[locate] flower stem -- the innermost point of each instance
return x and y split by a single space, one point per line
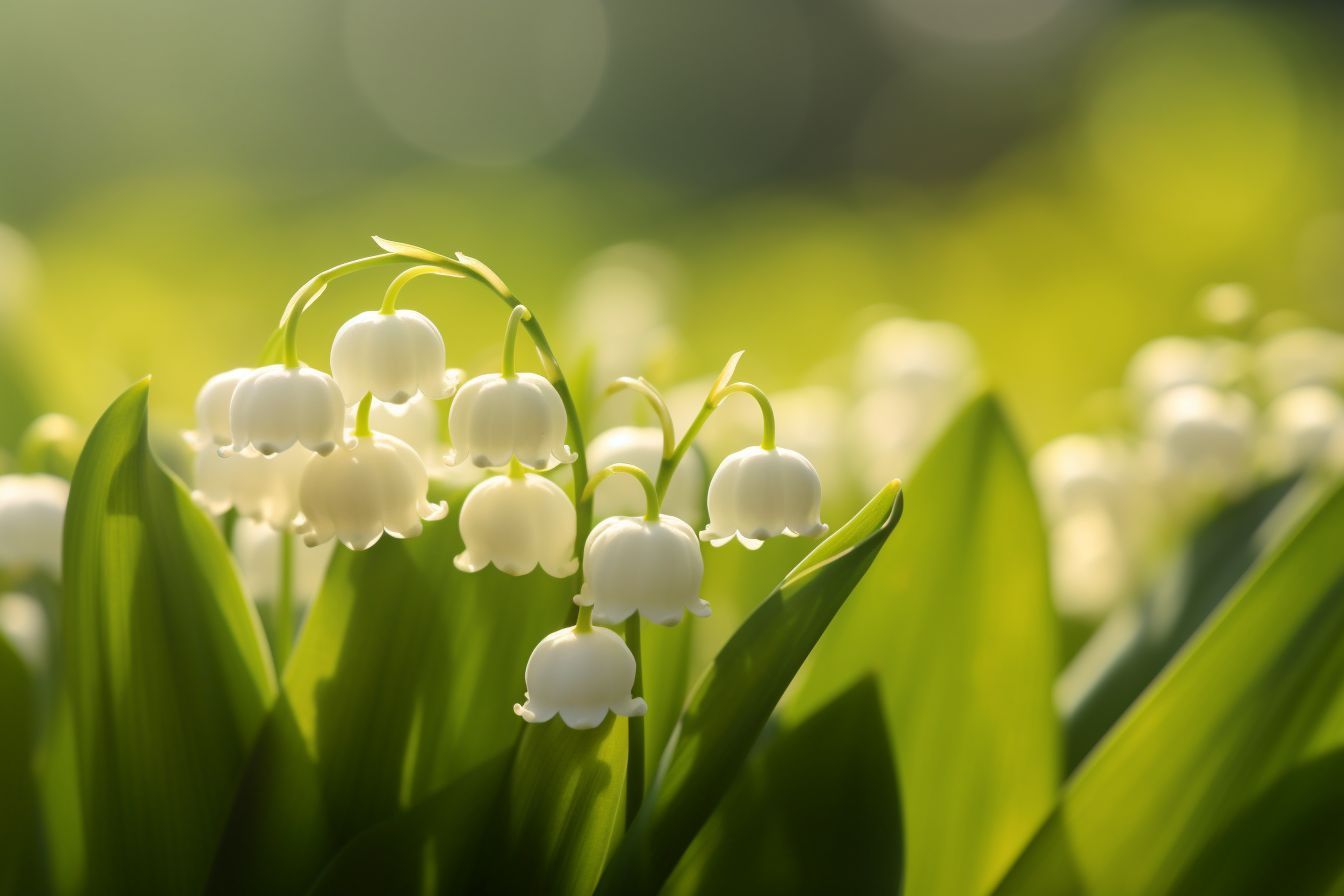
362 428
389 305
652 501
516 468
584 623
645 388
309 292
767 412
634 764
519 313
284 603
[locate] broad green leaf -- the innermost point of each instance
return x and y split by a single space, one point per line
734 700
1248 699
957 624
404 677
20 826
1218 556
1287 840
167 677
434 847
816 810
538 819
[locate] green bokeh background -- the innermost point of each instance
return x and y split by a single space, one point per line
1063 193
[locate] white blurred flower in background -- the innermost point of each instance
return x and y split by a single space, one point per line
32 514
1305 356
1199 444
1304 430
23 621
1174 361
260 488
913 376
256 548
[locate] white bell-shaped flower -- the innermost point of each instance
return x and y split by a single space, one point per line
275 406
518 523
355 495
581 675
643 447
212 408
256 548
32 514
23 621
265 489
758 493
495 418
932 362
636 565
394 355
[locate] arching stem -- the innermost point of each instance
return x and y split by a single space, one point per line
767 412
645 388
362 428
651 500
518 314
394 288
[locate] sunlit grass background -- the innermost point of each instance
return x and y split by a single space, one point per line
1061 178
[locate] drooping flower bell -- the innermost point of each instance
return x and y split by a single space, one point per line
32 514
395 355
650 567
355 495
275 406
761 492
265 489
580 674
501 416
212 408
518 522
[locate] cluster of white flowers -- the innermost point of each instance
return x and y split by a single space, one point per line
279 445
1211 416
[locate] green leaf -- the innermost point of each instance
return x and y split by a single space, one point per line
404 677
956 623
537 819
20 841
1255 693
1287 840
1218 556
732 703
816 810
167 675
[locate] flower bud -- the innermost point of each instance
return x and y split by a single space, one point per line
581 675
395 356
273 407
265 489
212 408
650 567
757 494
32 514
378 485
518 523
256 548
643 448
495 418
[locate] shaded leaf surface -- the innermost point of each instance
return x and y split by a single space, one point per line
815 810
957 624
167 676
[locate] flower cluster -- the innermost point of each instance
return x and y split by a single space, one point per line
349 457
1201 420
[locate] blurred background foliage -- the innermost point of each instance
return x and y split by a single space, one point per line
1059 177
